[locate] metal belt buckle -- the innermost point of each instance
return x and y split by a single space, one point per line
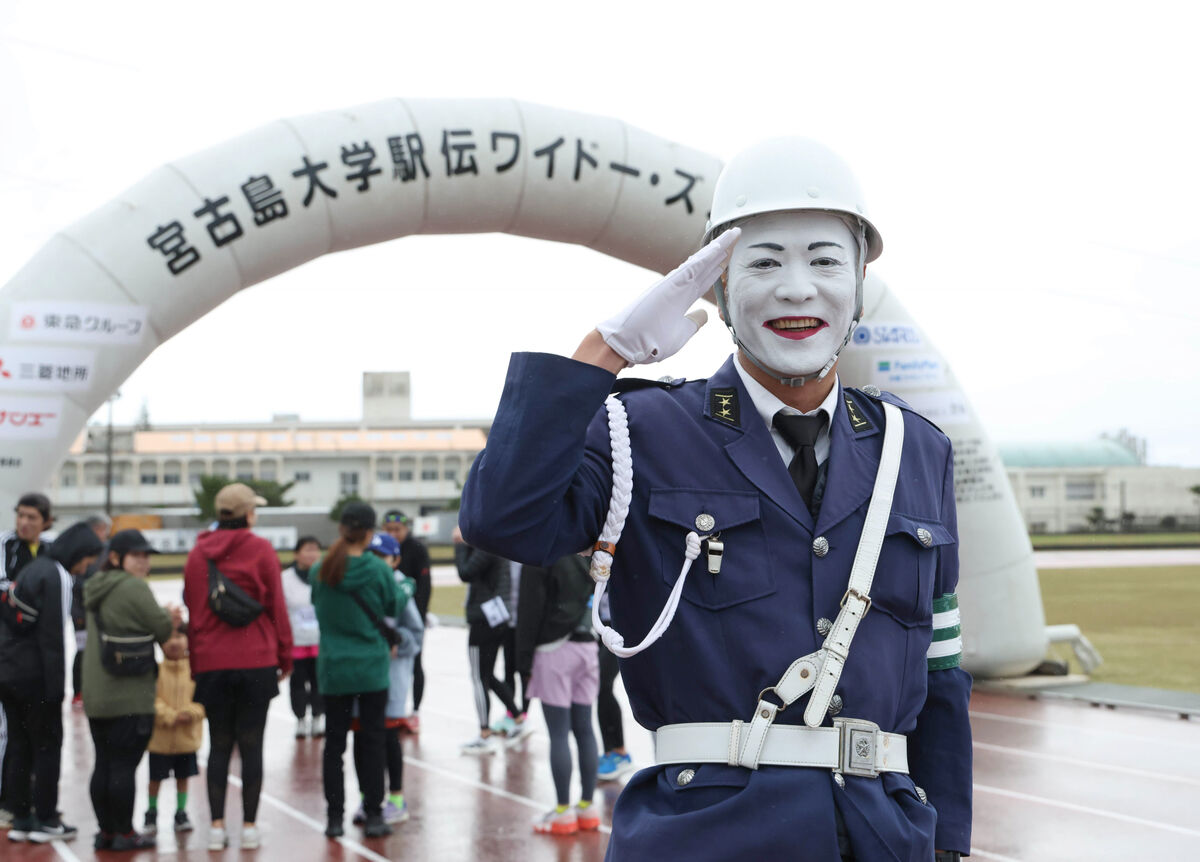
858 738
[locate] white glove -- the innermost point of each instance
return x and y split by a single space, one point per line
657 324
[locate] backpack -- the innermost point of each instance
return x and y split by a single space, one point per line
570 587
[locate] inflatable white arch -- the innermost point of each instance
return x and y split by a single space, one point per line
103 293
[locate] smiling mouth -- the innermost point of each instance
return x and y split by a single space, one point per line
796 328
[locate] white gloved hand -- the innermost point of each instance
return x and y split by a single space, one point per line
657 324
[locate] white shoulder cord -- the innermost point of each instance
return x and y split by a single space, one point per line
614 524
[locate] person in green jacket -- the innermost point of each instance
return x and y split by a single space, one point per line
120 709
353 662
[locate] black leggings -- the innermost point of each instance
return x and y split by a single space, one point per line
235 722
483 643
303 688
608 711
119 744
562 721
369 750
424 591
34 754
395 758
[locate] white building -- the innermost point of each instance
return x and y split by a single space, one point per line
386 458
1059 487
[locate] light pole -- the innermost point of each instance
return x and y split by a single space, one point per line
108 456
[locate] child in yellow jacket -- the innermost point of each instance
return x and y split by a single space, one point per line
178 732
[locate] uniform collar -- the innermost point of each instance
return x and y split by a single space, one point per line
767 404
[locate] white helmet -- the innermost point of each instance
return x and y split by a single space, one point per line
792 175
786 175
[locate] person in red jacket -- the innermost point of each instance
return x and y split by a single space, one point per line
237 670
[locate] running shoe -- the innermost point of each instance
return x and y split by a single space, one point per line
20 829
614 765
587 816
53 830
520 730
6 818
150 824
217 839
134 841
393 813
251 838
555 822
318 725
480 745
302 728
360 816
375 827
504 725
182 824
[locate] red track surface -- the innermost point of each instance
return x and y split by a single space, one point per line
1054 782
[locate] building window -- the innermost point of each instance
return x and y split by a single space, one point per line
1037 527
68 477
302 476
171 478
1037 491
347 483
384 475
429 474
1081 491
404 475
450 473
266 471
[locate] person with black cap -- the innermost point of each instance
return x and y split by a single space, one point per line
353 591
237 668
120 707
33 682
414 562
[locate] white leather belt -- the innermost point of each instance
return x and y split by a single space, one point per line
852 746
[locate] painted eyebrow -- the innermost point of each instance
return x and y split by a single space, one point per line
817 245
771 245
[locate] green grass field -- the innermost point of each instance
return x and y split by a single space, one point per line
1114 540
1144 621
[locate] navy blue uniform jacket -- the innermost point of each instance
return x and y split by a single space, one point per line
541 490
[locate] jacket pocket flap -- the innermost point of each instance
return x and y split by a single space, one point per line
683 506
926 532
707 775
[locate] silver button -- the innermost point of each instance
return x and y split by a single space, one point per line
705 522
820 546
835 704
824 626
925 536
872 390
921 794
841 782
685 776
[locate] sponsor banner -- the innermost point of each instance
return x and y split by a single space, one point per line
48 369
901 370
887 334
30 418
91 322
180 541
9 462
942 407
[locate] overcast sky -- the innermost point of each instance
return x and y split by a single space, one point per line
1032 168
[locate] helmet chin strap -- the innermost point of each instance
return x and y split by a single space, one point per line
719 293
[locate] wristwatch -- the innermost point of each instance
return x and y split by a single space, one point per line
947 856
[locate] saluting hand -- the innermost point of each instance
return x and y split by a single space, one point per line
657 324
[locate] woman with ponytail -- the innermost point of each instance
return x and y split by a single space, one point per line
352 592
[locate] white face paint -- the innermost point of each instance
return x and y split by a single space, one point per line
791 289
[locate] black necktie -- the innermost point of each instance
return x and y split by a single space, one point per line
801 434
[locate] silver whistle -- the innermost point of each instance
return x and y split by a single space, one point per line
715 551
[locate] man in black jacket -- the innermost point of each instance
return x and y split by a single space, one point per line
487 577
33 682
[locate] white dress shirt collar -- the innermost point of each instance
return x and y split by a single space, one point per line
767 405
